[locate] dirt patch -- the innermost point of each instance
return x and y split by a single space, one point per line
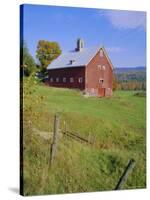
43 134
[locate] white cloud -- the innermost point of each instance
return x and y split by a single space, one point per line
126 19
114 49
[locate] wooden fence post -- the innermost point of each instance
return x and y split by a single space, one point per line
125 174
55 139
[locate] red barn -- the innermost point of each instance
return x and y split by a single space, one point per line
88 69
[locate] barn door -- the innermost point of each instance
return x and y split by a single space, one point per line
101 92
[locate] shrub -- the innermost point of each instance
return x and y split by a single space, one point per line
30 100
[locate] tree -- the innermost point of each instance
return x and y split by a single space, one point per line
47 52
28 65
114 83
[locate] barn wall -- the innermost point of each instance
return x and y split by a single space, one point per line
75 72
95 72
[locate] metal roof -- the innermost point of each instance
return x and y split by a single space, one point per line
74 58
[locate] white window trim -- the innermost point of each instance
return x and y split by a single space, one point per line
51 79
101 81
99 67
64 80
80 80
57 79
71 80
103 67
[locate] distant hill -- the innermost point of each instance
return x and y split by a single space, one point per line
130 74
130 69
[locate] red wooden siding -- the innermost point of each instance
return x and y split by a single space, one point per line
96 77
99 69
75 73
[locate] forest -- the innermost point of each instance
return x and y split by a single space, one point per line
132 78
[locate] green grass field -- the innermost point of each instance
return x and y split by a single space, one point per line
117 125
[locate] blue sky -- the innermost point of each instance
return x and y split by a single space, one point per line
122 33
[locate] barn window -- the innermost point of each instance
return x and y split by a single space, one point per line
80 79
57 79
51 80
101 53
101 81
99 67
103 67
71 80
64 79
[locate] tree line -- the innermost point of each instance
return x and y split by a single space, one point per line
128 84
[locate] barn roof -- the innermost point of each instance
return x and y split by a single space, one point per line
74 58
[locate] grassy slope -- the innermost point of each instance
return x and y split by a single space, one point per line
116 125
